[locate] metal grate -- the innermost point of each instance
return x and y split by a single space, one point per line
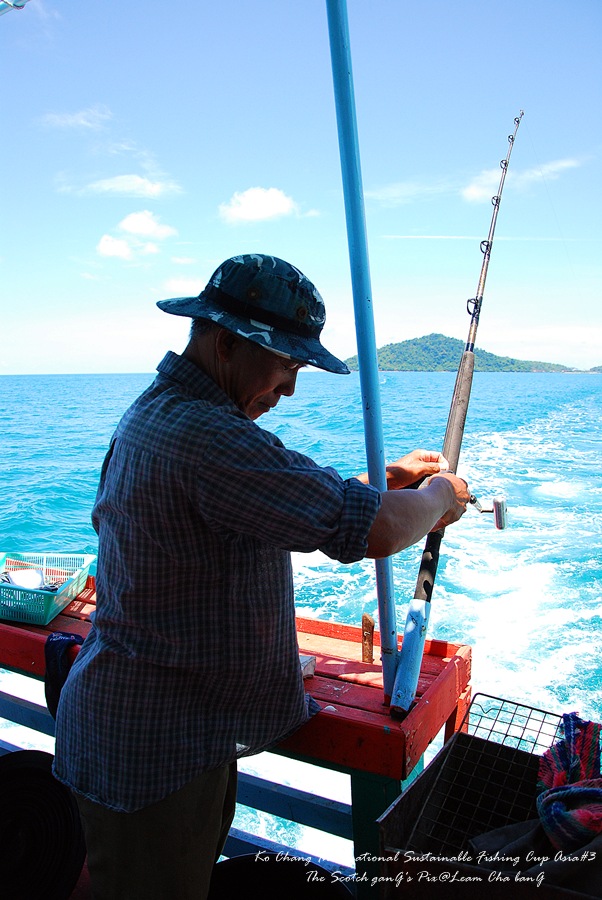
512 724
488 776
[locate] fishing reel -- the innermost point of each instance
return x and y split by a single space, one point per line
498 508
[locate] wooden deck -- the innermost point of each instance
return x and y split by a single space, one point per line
354 729
353 733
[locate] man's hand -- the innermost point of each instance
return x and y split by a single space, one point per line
405 517
413 467
457 507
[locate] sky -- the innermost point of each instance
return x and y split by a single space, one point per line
145 142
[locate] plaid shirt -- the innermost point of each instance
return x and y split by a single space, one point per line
192 659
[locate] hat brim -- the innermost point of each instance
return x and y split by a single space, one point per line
301 348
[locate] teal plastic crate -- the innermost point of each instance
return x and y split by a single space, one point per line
39 607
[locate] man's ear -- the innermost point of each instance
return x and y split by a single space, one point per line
225 344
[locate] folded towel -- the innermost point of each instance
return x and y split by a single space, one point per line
571 815
576 758
563 847
570 799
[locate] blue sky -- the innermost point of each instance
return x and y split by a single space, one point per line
143 143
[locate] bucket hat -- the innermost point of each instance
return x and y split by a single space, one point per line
268 301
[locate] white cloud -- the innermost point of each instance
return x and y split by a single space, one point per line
184 287
132 186
91 119
399 192
549 171
577 345
482 188
257 204
485 185
110 246
473 237
146 224
138 227
40 10
431 237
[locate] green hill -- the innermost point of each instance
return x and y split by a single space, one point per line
438 353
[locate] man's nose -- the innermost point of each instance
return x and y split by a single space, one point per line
288 384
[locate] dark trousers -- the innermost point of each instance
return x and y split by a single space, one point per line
165 851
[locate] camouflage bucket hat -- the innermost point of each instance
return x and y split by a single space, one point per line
268 301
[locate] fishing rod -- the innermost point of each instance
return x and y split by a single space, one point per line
410 656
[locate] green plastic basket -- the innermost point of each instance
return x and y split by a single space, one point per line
39 607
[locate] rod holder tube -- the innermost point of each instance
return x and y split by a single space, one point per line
338 27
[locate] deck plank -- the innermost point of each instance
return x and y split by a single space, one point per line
354 729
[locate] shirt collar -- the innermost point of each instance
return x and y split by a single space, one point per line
178 368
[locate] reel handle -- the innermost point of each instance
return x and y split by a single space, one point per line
498 508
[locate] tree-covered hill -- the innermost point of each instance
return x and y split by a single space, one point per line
438 353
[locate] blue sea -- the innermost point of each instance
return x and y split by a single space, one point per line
527 599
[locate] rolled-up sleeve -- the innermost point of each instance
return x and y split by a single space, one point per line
361 503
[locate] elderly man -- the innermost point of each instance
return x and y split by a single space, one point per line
192 660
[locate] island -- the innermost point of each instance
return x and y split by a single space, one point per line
438 353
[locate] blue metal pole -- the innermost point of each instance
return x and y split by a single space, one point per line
338 27
11 4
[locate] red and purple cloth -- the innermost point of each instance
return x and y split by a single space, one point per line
570 802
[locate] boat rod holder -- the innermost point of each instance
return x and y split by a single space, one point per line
498 508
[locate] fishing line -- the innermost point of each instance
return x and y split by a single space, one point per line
542 175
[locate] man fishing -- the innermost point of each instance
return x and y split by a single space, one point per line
192 660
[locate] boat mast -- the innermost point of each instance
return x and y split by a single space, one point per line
338 27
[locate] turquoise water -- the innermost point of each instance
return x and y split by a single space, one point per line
527 599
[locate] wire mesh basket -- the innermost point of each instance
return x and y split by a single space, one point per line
512 724
488 778
64 573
